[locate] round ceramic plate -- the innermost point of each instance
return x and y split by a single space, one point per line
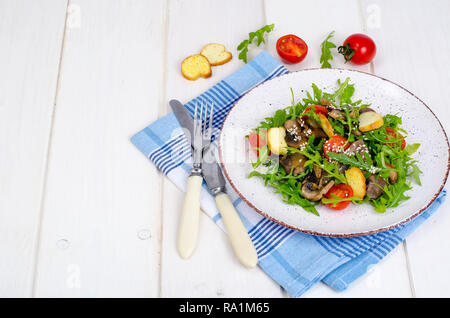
385 97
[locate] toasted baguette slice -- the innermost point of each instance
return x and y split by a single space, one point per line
370 121
195 66
216 54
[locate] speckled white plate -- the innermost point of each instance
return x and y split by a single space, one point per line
386 97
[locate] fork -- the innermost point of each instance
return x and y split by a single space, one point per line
190 216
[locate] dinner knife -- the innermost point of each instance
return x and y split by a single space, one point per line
190 214
240 240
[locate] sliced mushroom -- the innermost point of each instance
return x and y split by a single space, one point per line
393 175
357 147
365 110
311 191
317 132
342 168
295 161
292 126
316 185
312 123
375 186
294 137
337 114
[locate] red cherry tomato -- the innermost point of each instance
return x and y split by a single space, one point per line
392 133
318 109
256 141
335 144
291 48
358 48
342 191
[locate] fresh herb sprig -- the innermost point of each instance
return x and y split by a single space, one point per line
258 35
326 47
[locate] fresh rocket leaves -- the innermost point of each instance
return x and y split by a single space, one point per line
258 35
326 47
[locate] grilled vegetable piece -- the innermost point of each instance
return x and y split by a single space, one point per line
295 161
325 125
294 137
375 186
216 54
195 66
316 184
357 181
370 121
276 140
393 175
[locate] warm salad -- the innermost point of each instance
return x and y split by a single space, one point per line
329 149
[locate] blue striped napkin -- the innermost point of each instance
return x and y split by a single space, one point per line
295 260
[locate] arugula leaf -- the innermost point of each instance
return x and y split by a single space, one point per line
326 53
288 186
279 118
335 200
412 148
356 161
259 35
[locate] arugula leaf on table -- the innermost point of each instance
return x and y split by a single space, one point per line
259 35
326 53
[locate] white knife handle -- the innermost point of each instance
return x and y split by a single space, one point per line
190 216
241 242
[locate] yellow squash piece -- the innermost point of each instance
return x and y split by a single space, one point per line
325 125
357 181
275 140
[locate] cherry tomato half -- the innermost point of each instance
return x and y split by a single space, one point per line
256 141
342 191
291 48
335 144
358 49
392 133
318 109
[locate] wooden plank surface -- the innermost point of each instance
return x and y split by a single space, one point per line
99 235
31 36
81 206
412 54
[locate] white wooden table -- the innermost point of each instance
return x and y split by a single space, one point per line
84 214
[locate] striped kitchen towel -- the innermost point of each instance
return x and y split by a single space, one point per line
295 260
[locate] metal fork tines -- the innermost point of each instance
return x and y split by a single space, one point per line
202 134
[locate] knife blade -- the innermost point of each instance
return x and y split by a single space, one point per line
184 118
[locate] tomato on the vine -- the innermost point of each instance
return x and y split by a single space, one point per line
395 135
291 48
343 191
358 48
335 144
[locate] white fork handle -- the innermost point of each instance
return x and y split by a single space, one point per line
241 242
190 216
